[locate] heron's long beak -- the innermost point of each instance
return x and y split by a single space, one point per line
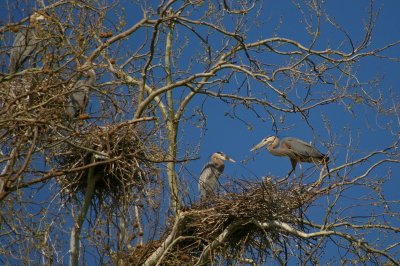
230 159
259 145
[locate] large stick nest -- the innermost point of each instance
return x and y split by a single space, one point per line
123 154
238 213
33 102
262 202
32 98
122 157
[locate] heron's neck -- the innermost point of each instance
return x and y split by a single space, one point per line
92 77
217 162
272 149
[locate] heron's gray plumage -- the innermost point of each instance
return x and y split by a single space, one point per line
208 180
302 150
25 43
79 97
296 149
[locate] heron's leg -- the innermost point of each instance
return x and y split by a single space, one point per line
294 163
301 169
327 169
301 173
287 176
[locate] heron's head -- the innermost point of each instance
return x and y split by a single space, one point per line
264 142
90 74
36 18
221 156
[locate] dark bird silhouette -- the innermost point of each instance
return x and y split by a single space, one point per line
79 97
208 179
25 43
297 150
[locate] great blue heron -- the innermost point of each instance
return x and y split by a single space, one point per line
25 42
79 97
296 149
208 179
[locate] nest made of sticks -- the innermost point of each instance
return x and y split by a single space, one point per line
121 156
32 97
243 211
259 201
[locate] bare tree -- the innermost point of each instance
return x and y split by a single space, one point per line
111 185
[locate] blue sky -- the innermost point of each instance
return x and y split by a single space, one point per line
233 137
356 129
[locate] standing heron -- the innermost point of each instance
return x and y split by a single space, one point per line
208 179
297 150
25 43
79 97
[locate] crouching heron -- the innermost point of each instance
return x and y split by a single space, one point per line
79 97
297 150
208 179
25 43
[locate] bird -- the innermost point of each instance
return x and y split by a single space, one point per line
297 150
25 43
79 97
210 173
